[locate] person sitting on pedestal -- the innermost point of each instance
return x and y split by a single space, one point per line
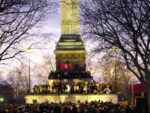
107 90
68 88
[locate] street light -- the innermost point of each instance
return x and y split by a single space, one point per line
115 49
29 50
1 99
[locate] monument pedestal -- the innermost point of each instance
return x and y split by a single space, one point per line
56 98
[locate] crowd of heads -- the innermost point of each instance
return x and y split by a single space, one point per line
62 87
69 74
70 107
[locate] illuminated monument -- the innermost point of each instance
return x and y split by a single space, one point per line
70 49
70 64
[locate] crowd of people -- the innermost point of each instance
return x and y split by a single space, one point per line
62 87
70 107
69 74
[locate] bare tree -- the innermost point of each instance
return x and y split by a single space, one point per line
90 64
17 18
43 70
18 80
115 73
124 24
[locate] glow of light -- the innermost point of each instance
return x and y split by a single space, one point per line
29 50
1 99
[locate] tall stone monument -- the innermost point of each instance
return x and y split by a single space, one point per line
70 81
70 50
